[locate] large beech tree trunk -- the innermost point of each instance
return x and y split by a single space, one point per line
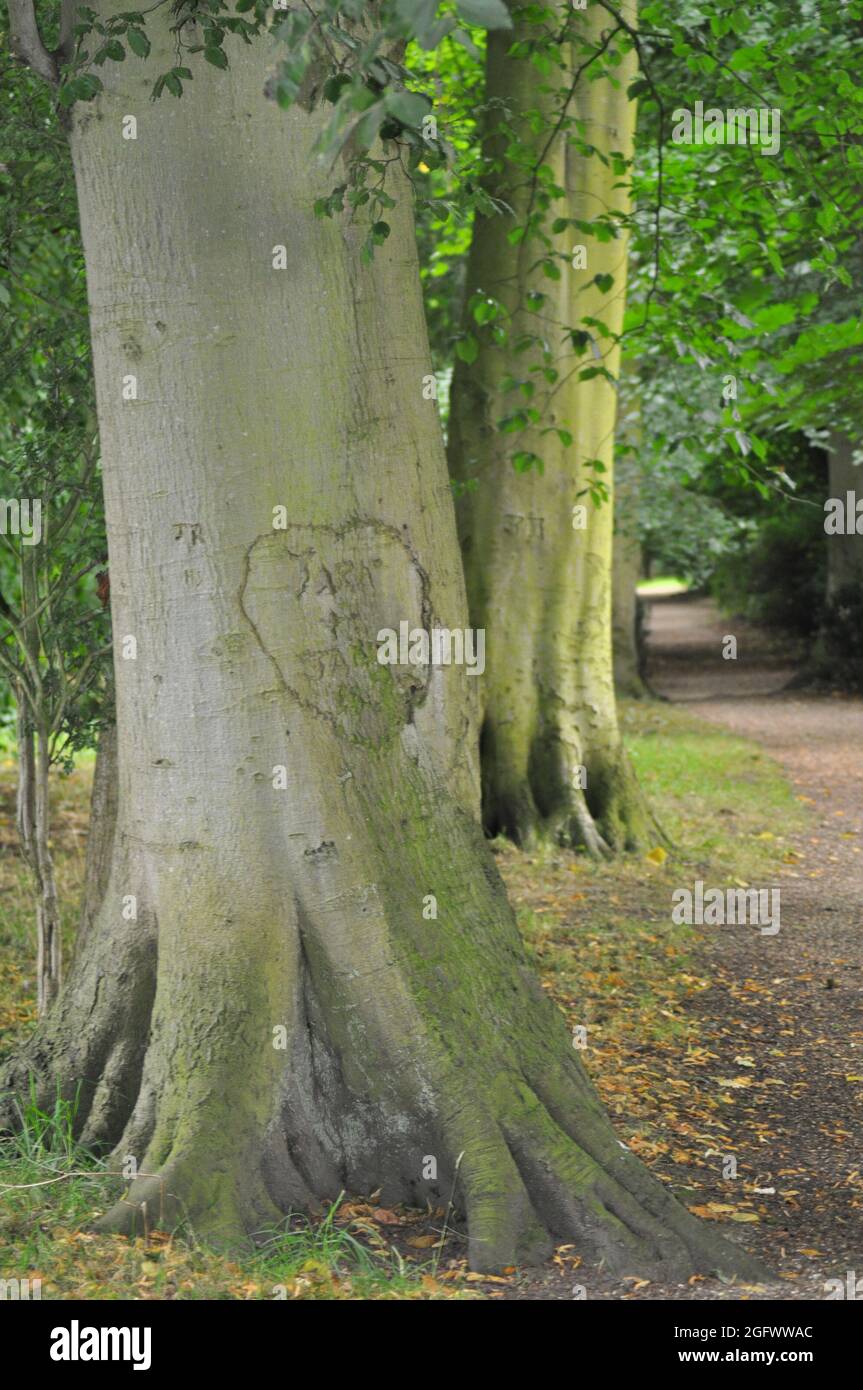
552 759
240 912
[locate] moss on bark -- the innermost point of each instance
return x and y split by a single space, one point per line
287 805
539 581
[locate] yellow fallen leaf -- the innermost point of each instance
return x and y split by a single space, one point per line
423 1242
712 1211
656 856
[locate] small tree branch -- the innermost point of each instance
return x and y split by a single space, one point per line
25 41
67 38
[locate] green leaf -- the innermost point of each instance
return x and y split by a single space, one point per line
485 310
138 42
80 89
485 14
333 86
408 107
217 57
369 125
524 461
467 348
419 14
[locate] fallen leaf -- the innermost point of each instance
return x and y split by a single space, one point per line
386 1218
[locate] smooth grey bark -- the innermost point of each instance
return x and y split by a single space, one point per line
262 1013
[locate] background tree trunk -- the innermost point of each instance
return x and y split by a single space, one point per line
844 552
552 758
626 565
34 799
626 572
287 804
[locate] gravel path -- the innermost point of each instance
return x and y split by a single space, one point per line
803 1016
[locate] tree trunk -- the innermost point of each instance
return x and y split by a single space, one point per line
288 805
538 581
626 572
33 824
34 802
845 550
101 829
626 561
49 969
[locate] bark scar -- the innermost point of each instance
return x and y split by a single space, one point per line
335 586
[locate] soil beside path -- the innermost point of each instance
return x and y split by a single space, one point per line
796 996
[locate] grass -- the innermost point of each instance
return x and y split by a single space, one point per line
50 1188
722 802
664 585
601 934
602 938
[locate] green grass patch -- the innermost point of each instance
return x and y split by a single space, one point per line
664 585
723 802
51 1189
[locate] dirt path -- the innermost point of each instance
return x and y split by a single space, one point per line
790 1001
